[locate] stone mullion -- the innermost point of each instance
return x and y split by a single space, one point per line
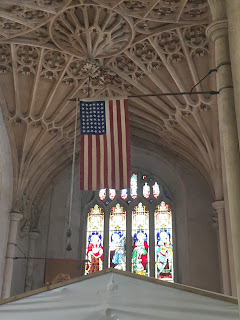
106 239
129 240
151 242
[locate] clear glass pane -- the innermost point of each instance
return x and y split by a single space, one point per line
124 194
163 242
133 186
112 194
146 190
140 235
117 238
156 190
102 194
94 243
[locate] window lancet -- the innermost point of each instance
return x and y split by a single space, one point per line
94 250
163 242
117 238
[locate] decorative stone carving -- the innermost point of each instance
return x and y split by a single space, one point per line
195 9
27 58
53 63
90 31
5 58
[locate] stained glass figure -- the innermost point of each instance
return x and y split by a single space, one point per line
163 242
146 190
133 186
94 250
140 234
112 194
102 194
124 194
156 190
117 238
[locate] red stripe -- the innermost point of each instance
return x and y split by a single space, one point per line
89 162
127 142
112 144
105 161
98 160
120 144
81 162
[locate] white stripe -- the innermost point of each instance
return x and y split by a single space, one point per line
94 163
109 150
101 162
115 129
124 143
85 168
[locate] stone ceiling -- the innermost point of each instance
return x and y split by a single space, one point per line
150 46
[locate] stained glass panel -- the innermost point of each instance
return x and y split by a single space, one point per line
94 250
102 194
117 238
156 190
133 186
140 234
112 194
163 242
124 194
146 190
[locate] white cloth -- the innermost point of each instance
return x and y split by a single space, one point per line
113 296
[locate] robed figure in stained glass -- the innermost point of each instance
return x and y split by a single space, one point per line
94 254
140 253
164 255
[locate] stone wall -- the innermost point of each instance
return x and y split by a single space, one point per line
6 189
196 244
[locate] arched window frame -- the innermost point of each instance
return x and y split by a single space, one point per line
165 195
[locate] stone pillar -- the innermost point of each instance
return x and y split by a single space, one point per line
15 217
223 243
33 235
218 32
233 12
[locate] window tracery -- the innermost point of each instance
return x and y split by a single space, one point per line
145 209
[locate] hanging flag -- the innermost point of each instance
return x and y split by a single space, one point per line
105 145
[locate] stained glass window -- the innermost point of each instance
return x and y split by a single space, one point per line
94 248
133 186
124 194
102 194
117 238
140 234
112 194
146 190
163 242
156 190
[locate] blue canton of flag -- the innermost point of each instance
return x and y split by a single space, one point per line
93 117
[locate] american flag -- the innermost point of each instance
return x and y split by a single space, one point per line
105 145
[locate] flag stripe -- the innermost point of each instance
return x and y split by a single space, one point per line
120 146
113 155
124 145
116 148
82 162
127 143
89 162
85 167
98 160
94 162
102 160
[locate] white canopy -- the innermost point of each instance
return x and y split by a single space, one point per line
116 295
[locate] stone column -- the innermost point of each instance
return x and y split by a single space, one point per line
223 243
33 235
15 217
233 12
218 32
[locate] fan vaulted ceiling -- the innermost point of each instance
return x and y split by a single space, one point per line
150 46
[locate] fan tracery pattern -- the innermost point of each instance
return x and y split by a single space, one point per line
149 46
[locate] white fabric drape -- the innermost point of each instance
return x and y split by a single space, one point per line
117 297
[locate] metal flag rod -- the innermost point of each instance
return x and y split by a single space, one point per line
163 94
73 167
